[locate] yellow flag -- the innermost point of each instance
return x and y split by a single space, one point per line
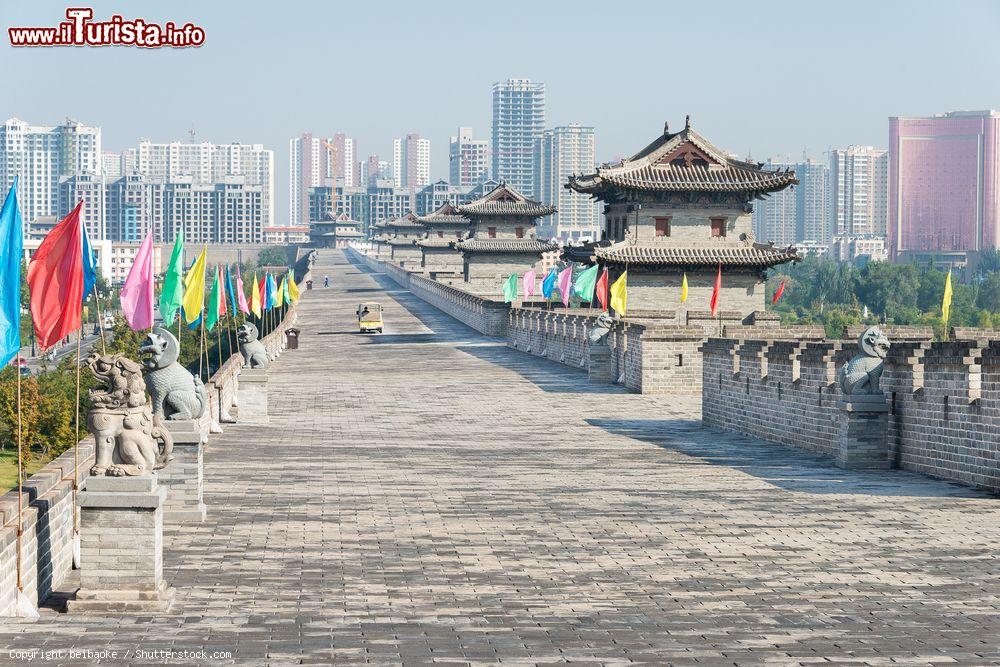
946 301
619 294
684 288
194 288
293 289
255 297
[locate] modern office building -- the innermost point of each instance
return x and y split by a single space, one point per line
859 191
133 206
46 156
468 159
518 123
944 186
800 214
563 152
225 212
411 161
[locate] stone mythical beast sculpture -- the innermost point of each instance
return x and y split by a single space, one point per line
254 353
130 439
860 375
175 392
602 327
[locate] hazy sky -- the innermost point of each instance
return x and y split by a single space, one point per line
768 78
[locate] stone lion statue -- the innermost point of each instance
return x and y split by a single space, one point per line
599 333
254 353
176 393
130 439
861 375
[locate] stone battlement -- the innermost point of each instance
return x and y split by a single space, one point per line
943 400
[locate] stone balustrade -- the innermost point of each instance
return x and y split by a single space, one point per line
943 400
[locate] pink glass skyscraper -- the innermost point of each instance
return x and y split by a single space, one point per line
943 184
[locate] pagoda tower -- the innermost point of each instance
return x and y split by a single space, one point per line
683 206
380 237
503 239
335 233
403 235
443 228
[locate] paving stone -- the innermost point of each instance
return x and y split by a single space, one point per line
433 495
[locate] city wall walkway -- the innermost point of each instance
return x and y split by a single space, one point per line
432 495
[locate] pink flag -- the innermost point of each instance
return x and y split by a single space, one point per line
565 280
529 282
222 301
241 297
137 293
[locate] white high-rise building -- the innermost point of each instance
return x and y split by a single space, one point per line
518 123
562 152
207 163
411 162
859 191
468 159
314 162
45 157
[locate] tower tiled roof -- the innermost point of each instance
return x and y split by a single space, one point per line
408 221
683 162
756 255
504 200
527 246
446 214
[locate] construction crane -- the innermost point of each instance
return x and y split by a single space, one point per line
333 156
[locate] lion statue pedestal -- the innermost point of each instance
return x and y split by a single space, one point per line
181 400
864 413
600 364
121 503
251 395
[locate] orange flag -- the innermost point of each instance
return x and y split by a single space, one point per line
602 290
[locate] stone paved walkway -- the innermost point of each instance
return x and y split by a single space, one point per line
431 495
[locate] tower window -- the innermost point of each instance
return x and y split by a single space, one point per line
718 227
519 232
491 232
662 226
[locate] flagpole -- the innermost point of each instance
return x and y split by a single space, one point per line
100 320
20 482
76 445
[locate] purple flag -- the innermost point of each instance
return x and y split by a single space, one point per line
565 280
137 293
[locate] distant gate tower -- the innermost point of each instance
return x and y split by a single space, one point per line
681 205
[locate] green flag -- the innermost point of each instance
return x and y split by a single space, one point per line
212 315
173 282
583 287
510 289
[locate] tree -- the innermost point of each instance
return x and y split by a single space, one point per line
272 257
989 293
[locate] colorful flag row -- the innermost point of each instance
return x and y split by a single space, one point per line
63 271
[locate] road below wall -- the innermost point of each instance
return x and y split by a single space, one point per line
430 494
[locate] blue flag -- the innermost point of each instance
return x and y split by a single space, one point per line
11 252
271 292
232 292
549 284
89 264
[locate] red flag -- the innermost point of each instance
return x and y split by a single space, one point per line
263 292
55 278
717 290
602 290
778 292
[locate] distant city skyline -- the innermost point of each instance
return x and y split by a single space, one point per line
623 94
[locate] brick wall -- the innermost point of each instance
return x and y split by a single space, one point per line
944 400
47 529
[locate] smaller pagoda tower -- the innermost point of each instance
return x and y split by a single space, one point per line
444 227
402 241
503 239
379 237
337 232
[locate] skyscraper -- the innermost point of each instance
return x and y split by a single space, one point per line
518 123
346 168
858 190
944 185
45 157
310 164
411 161
776 217
799 214
468 159
563 152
